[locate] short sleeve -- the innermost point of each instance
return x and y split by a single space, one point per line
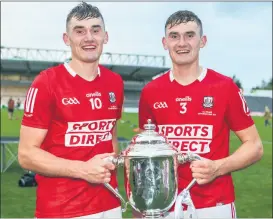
38 106
145 110
238 114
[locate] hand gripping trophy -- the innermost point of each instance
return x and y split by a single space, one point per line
150 165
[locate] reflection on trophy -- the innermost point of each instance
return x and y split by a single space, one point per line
150 165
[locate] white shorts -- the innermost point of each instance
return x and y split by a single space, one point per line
222 211
114 213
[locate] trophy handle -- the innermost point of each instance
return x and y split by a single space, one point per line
184 196
189 157
116 161
125 204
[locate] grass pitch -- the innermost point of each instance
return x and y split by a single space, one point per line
253 185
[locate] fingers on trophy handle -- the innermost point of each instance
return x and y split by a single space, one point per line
116 161
189 157
184 197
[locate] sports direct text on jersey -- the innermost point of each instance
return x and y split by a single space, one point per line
88 133
189 138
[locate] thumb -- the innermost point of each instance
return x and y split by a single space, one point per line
102 156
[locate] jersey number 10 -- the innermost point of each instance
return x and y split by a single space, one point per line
95 103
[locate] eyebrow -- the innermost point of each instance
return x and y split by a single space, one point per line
173 32
95 26
80 27
190 32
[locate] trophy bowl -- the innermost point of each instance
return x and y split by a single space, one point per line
150 173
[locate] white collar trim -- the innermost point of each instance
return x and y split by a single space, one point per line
200 78
72 72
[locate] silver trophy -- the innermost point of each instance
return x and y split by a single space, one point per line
150 167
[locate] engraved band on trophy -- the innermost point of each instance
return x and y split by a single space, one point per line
150 166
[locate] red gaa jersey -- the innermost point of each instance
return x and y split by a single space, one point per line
197 118
80 116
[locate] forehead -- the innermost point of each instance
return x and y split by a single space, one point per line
183 27
87 23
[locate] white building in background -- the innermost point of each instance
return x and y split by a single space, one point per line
258 93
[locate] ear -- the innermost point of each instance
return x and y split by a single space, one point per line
164 42
66 39
203 41
106 38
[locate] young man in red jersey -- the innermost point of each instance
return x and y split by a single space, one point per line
195 108
69 126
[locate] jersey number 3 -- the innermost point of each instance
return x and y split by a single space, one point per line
183 107
95 103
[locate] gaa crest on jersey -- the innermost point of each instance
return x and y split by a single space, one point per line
112 97
208 102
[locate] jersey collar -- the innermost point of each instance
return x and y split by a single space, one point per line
72 72
200 78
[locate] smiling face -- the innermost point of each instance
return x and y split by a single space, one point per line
86 38
85 33
183 39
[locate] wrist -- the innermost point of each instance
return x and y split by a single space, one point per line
219 166
79 169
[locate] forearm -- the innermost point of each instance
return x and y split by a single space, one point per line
115 146
44 163
115 141
246 155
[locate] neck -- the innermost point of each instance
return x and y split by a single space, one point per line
186 74
87 71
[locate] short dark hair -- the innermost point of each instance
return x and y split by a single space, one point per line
83 11
183 17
